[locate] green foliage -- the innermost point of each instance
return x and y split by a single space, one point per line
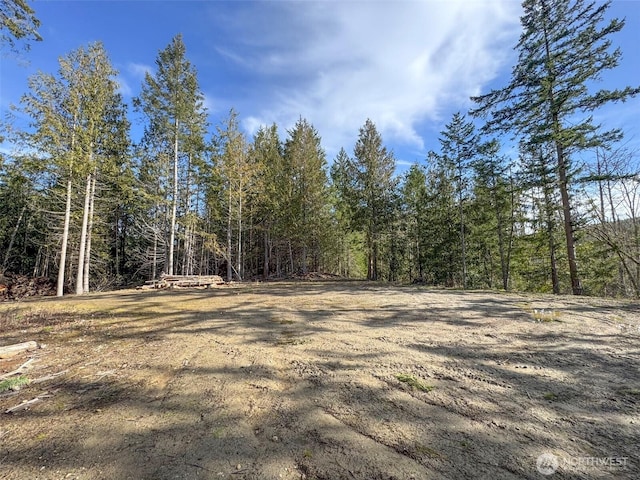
371 188
549 102
460 145
173 106
470 217
492 216
17 23
78 129
414 198
414 382
441 226
171 99
236 174
13 383
306 195
266 152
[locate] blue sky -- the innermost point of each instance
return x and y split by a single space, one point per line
407 65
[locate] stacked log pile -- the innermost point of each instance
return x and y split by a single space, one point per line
14 287
170 281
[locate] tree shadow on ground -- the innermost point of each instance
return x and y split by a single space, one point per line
279 381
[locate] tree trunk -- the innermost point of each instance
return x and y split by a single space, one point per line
278 260
505 253
267 251
65 239
375 260
36 267
503 265
576 286
550 227
463 247
463 243
512 227
291 263
185 249
174 202
87 257
553 264
239 269
186 253
229 242
83 236
116 249
156 229
304 266
370 262
16 348
154 271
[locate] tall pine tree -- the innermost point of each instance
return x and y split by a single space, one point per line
563 48
174 106
306 195
374 186
460 144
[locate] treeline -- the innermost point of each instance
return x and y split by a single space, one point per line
81 202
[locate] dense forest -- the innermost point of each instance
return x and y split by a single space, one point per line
83 203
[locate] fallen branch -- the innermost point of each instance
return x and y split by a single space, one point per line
10 393
48 377
17 370
27 404
11 350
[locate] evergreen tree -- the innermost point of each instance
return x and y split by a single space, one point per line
267 158
153 180
494 209
234 170
173 105
414 198
104 126
440 228
305 197
459 146
538 178
113 183
343 188
562 50
374 185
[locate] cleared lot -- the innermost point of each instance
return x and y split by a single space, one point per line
326 380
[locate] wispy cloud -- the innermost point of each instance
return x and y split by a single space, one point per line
138 70
130 78
123 86
338 63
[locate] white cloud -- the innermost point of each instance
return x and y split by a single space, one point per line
133 73
210 103
252 124
123 86
139 70
338 63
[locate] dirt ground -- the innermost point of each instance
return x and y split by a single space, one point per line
322 380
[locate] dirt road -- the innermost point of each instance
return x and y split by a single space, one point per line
326 380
